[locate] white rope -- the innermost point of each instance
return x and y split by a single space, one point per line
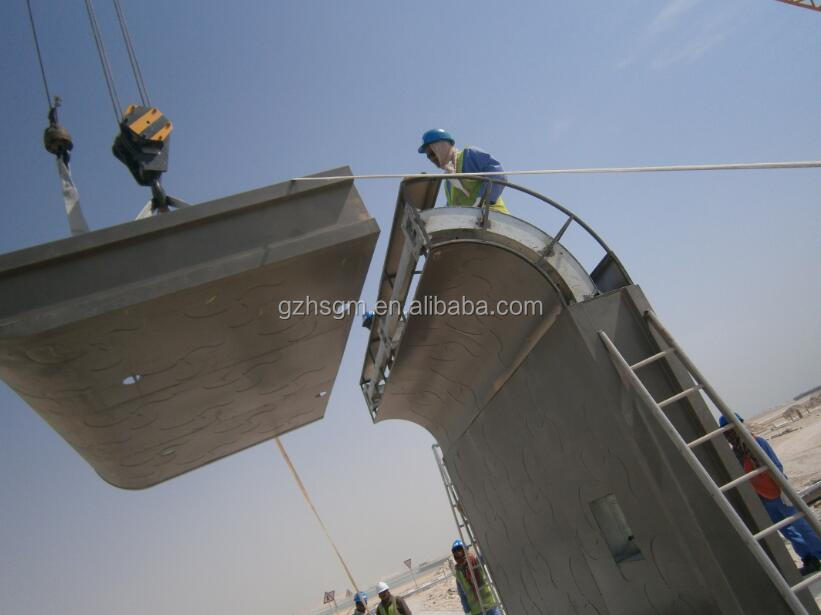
806 164
304 491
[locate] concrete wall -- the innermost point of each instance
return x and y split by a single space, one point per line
553 457
563 433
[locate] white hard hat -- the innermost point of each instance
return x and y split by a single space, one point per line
381 587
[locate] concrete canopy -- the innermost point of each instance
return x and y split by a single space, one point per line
157 346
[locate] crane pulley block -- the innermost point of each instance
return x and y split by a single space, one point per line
143 144
57 139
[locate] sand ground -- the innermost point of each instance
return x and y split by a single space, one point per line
439 597
797 443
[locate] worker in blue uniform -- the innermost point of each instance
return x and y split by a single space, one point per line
440 148
800 533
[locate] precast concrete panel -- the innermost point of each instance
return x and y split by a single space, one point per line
579 500
160 345
561 434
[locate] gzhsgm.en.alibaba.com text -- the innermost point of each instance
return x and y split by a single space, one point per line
426 306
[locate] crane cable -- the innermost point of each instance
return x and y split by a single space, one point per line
132 58
109 79
132 55
57 141
316 514
39 55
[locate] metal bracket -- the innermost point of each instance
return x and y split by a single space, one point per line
549 249
484 205
414 230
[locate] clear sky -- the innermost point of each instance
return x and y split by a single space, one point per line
260 92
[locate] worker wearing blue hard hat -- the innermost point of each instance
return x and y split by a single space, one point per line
471 582
802 537
440 148
360 603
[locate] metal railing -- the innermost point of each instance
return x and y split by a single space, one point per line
485 206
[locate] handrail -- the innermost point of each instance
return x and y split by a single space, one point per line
572 217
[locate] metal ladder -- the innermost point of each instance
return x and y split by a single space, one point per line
466 534
686 449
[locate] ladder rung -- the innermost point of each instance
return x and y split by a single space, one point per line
652 359
742 479
805 582
681 395
808 581
710 436
777 526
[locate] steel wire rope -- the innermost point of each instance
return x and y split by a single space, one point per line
732 166
109 79
132 55
39 55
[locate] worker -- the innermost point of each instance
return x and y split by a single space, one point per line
440 148
474 589
389 604
360 604
800 534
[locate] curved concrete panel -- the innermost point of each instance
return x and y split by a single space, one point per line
449 366
157 346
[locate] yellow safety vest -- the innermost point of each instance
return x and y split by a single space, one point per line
484 591
458 198
391 610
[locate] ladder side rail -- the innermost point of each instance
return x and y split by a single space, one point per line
743 432
668 427
471 536
445 481
455 508
477 548
474 542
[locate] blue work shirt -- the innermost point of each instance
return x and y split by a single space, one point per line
479 161
770 452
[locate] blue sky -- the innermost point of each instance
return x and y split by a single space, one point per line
260 92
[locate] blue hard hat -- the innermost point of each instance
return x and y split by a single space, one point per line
457 544
434 135
367 319
361 597
723 422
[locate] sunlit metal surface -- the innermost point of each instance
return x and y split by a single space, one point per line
157 346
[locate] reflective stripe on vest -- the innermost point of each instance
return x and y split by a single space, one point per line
484 591
457 197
